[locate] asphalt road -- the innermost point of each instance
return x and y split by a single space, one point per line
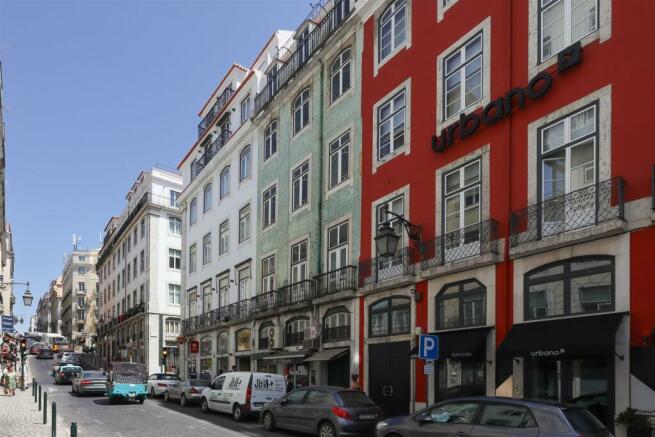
96 417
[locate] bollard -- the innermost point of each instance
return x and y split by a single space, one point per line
45 407
74 429
33 386
37 384
54 419
39 398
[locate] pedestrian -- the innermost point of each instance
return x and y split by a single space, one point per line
354 382
9 375
290 385
221 371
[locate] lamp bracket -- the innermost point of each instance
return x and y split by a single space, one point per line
413 231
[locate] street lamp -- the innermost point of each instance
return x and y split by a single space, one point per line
27 297
386 240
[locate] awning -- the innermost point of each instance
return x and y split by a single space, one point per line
328 354
462 344
288 356
260 355
561 337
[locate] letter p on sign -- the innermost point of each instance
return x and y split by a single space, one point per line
428 348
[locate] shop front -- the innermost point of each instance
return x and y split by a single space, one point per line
243 347
292 365
222 352
334 362
206 358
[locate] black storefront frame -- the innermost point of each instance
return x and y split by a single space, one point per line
460 295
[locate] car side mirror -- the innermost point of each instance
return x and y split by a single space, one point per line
425 419
283 402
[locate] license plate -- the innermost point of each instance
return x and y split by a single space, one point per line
368 416
132 385
132 395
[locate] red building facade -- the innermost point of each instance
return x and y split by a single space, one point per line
512 134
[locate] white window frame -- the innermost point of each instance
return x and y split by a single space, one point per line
174 255
193 257
207 200
300 186
245 109
302 104
299 267
339 247
193 211
245 163
174 291
244 223
224 182
544 7
390 102
174 225
243 282
460 71
223 287
390 16
206 248
224 237
268 273
343 66
270 140
269 206
337 149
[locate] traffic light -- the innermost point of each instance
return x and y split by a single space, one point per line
23 346
164 355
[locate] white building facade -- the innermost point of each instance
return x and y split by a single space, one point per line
79 289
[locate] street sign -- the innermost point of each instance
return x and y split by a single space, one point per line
8 323
428 347
428 369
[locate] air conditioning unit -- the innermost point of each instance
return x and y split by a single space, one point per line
310 344
275 337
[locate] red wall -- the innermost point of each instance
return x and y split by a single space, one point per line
642 286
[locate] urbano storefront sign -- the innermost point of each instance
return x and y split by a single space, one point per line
503 106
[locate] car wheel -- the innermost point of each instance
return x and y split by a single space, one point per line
269 421
237 413
142 400
167 397
204 406
152 392
326 429
183 401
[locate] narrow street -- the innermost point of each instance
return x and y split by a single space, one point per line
96 417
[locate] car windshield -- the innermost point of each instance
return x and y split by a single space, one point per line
582 420
355 399
199 383
94 374
169 377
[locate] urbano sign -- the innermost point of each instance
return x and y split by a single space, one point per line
503 106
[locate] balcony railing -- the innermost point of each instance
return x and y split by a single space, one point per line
294 339
209 153
305 49
461 322
337 333
216 109
379 269
467 242
264 302
335 281
298 292
597 203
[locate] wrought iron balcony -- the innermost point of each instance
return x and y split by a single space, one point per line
264 302
338 333
589 206
335 281
237 311
296 293
210 151
460 244
294 338
305 49
380 269
216 109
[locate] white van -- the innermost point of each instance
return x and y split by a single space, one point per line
242 393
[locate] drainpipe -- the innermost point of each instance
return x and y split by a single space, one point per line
319 167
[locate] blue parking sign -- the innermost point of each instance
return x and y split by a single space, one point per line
428 347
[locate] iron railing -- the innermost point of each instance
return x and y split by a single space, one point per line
337 333
296 293
216 109
294 339
210 151
473 240
334 281
597 203
264 302
381 269
305 49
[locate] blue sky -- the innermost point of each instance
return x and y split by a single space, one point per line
94 92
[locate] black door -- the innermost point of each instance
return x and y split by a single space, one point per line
339 371
389 377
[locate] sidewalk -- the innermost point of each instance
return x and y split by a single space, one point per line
20 416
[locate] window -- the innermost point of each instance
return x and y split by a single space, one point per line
175 225
300 186
463 77
173 199
192 258
245 109
223 237
303 46
397 206
295 331
268 274
575 286
225 181
129 243
568 154
339 160
80 302
391 125
142 293
81 258
134 269
193 211
129 273
80 316
223 290
336 325
143 261
242 340
390 316
143 227
461 206
174 259
461 304
207 297
392 28
507 415
338 246
206 249
244 223
193 297
81 270
564 22
172 327
244 164
270 140
81 287
340 75
244 283
301 111
269 199
299 262
207 198
453 412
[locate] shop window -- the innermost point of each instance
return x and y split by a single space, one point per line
206 346
574 286
242 338
222 343
390 316
461 304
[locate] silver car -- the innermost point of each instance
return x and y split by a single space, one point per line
187 391
495 417
90 382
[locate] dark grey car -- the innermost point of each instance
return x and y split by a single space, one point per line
90 381
187 391
326 411
495 417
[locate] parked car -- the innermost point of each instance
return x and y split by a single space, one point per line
90 381
491 416
159 382
44 354
187 391
127 381
326 411
66 374
242 393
